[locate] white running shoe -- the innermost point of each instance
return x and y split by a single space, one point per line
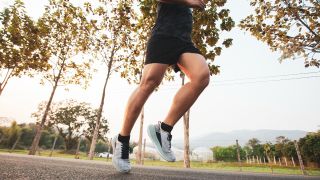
162 141
120 158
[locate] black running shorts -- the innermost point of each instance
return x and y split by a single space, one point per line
167 50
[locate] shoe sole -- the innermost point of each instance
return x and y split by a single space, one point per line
153 136
113 159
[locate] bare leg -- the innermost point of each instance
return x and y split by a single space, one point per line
151 78
196 68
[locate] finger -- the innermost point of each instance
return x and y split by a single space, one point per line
203 4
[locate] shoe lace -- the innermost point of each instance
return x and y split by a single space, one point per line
169 140
125 151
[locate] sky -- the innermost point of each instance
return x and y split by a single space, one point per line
229 103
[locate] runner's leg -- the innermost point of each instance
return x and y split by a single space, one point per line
151 78
196 69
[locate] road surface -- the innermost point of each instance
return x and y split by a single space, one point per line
13 166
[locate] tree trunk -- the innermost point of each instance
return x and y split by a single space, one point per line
186 140
110 146
293 163
186 118
238 154
279 161
96 129
15 143
53 145
139 154
144 151
78 148
285 160
37 137
1 139
268 158
5 80
274 160
300 158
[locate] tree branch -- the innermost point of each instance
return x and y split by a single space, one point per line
6 79
300 20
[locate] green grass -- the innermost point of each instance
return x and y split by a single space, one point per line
55 153
195 165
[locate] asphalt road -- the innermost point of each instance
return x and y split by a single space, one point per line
13 166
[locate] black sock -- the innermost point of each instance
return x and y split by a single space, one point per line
166 127
124 139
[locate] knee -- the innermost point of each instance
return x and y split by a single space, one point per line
149 84
202 79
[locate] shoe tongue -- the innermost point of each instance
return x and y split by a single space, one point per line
125 151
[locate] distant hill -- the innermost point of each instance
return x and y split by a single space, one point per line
229 138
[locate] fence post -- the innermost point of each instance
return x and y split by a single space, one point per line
300 158
238 152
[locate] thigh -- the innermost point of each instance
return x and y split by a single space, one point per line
193 65
153 72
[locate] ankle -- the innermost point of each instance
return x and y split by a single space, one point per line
166 127
124 139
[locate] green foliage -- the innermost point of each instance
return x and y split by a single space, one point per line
255 148
65 31
101 147
141 28
132 145
13 133
284 147
27 133
21 51
71 120
291 27
227 154
310 147
112 41
4 135
207 29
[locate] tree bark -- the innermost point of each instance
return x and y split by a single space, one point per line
96 129
300 158
53 145
293 163
78 148
238 154
186 140
186 118
139 154
15 143
144 151
285 160
279 161
5 80
36 139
